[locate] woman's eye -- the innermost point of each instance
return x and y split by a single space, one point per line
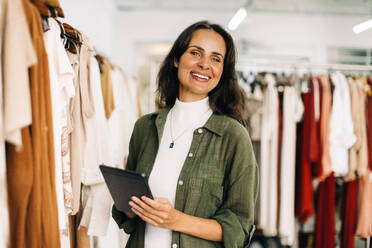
218 60
195 53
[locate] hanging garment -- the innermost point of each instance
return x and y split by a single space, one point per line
280 139
341 125
81 108
79 237
304 188
122 119
98 143
15 110
363 152
107 90
315 151
131 92
41 224
61 76
269 159
254 106
127 111
97 204
369 124
66 124
121 125
96 200
292 113
325 217
358 153
325 116
364 222
348 213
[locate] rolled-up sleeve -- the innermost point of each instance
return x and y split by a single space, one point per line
236 215
124 222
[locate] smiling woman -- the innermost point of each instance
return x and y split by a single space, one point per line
200 67
195 150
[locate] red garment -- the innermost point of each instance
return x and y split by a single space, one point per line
280 141
314 152
348 213
325 218
304 189
315 144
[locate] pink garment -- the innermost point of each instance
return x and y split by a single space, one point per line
364 222
325 128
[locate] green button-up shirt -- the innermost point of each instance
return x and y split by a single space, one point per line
220 179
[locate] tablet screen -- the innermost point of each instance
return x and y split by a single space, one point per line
123 184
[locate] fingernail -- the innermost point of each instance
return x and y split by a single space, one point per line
133 198
130 203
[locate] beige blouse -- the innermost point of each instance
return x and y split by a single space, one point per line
81 108
358 160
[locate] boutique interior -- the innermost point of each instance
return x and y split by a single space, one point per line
87 70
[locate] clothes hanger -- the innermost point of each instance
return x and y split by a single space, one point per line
282 81
55 8
101 61
242 77
72 38
41 7
44 13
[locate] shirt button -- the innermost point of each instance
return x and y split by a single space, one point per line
180 182
190 154
174 245
200 130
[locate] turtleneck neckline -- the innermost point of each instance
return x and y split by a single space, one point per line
189 111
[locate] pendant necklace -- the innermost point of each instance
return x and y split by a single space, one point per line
171 145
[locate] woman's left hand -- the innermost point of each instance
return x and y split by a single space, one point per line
158 212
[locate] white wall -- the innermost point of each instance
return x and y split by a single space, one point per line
272 32
116 33
95 18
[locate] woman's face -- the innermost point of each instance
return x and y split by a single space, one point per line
200 66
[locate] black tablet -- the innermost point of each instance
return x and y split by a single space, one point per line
123 184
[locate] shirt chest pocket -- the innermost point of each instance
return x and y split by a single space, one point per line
204 196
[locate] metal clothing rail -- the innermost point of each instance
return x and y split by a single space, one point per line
302 65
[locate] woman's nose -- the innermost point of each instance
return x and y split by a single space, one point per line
203 64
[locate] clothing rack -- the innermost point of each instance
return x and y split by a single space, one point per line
303 65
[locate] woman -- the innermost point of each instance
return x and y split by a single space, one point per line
195 151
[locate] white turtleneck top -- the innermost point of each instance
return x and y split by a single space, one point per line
186 117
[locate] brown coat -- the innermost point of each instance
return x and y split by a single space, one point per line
15 111
37 157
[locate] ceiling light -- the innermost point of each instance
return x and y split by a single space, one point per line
237 19
362 26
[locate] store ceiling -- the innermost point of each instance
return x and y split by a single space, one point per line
316 7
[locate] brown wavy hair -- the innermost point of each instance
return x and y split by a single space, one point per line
226 98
